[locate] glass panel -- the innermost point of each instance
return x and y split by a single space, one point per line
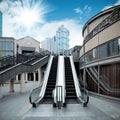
2 45
89 57
113 48
9 45
81 61
9 53
1 54
95 54
103 52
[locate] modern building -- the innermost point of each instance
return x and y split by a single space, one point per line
100 53
48 44
7 46
28 45
0 24
61 39
58 43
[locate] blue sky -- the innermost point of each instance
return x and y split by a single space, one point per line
68 9
41 18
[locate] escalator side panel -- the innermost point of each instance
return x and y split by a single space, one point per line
51 82
70 87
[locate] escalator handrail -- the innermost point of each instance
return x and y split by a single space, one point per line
60 80
45 80
76 82
34 89
75 78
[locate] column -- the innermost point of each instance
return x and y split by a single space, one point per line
17 79
11 85
30 77
1 91
26 77
34 75
40 76
98 79
22 83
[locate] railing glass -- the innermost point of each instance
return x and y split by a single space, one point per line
82 93
101 80
37 98
59 93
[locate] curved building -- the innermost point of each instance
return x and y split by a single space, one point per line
100 53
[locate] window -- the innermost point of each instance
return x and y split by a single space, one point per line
103 51
109 49
113 47
9 45
9 53
89 57
2 45
95 54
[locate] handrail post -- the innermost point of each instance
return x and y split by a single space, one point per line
59 96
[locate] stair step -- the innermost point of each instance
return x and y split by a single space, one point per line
51 83
70 87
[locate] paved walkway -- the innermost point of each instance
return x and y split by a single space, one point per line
16 106
97 109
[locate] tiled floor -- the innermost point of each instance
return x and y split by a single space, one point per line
16 106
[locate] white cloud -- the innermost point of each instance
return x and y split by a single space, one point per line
49 29
83 13
106 7
87 9
3 6
117 3
78 10
11 28
14 24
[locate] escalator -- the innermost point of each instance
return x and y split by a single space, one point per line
47 92
51 82
71 96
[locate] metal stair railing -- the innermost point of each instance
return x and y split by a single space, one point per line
95 80
11 72
9 61
102 81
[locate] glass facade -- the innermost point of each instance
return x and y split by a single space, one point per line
6 48
61 39
109 49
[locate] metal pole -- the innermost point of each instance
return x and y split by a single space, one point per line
98 68
84 72
98 78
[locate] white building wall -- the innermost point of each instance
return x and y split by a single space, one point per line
28 42
48 44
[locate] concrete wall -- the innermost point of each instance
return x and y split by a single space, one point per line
28 42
